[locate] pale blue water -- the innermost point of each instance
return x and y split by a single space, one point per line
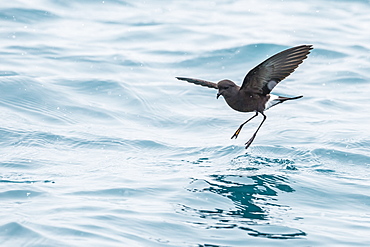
102 146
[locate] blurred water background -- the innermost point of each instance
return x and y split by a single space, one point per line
102 146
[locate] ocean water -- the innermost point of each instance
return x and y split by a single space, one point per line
102 146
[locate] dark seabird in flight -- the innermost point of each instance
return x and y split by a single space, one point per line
254 94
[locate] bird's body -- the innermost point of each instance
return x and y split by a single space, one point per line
243 101
254 94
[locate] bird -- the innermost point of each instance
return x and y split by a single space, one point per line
254 95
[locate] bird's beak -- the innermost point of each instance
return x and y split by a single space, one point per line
218 95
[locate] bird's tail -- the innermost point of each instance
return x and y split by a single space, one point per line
274 100
282 99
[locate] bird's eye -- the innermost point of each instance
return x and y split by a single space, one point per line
226 87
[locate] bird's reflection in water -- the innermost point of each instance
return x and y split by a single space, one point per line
252 204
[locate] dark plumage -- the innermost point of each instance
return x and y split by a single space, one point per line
254 94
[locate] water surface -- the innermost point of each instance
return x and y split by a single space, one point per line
102 146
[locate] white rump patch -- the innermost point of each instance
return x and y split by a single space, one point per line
271 84
274 100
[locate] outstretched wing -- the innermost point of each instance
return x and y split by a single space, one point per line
199 82
265 76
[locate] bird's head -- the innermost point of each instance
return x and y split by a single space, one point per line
227 88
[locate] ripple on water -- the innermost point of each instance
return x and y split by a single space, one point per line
26 15
8 73
25 181
25 236
252 198
235 57
20 195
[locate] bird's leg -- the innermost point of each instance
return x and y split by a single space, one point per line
248 143
241 126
